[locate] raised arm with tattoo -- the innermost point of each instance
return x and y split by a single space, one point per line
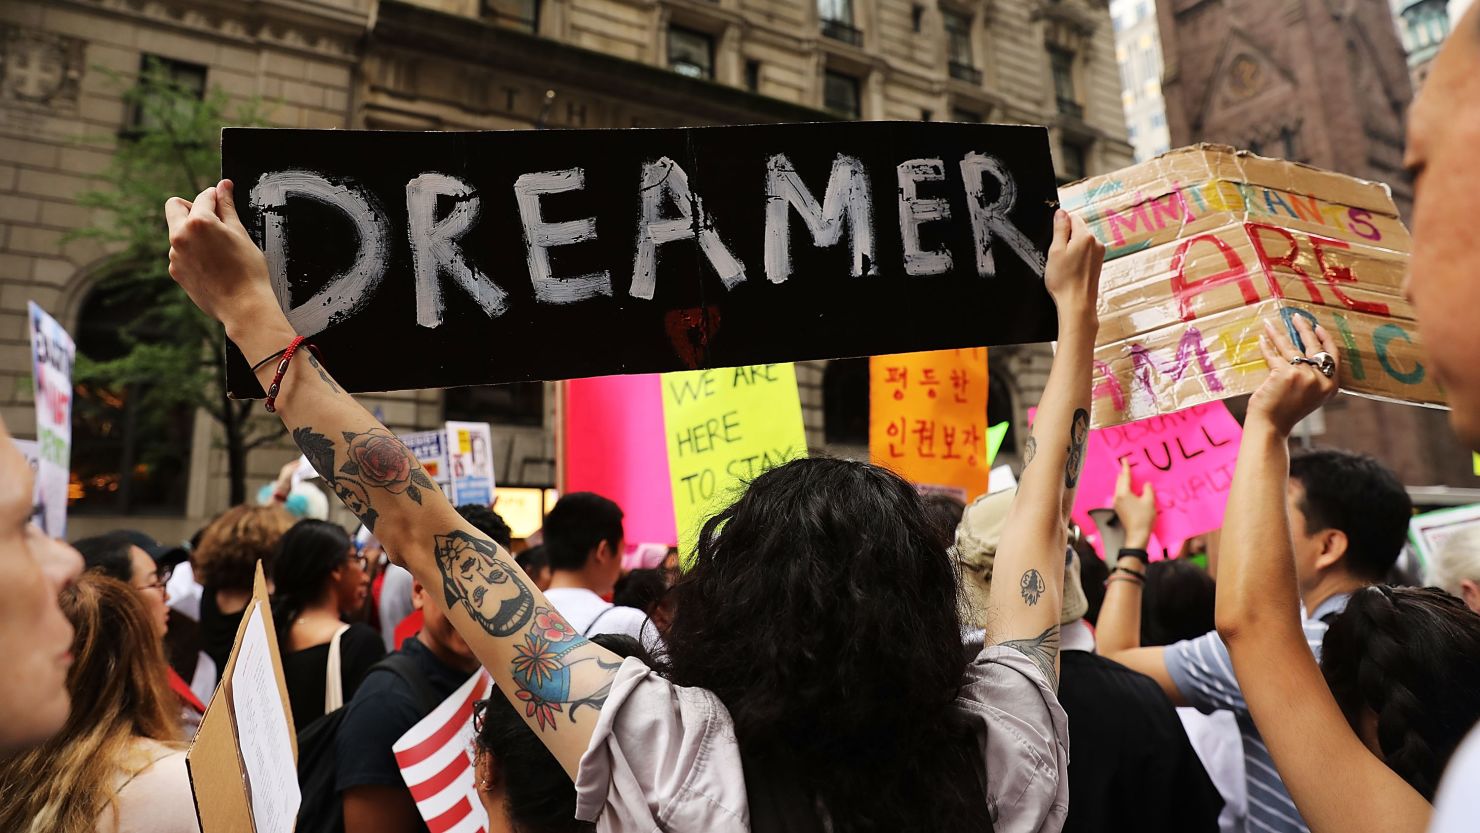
1336 782
1024 605
555 677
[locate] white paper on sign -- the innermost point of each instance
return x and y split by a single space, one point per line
262 733
436 761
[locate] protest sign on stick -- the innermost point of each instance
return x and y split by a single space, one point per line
243 764
725 427
1205 243
52 354
928 419
632 251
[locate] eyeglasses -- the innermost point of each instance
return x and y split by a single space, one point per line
361 560
161 578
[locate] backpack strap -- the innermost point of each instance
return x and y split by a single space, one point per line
590 627
405 667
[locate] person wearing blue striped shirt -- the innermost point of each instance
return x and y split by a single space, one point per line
1348 516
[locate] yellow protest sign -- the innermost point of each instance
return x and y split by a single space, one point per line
725 427
928 418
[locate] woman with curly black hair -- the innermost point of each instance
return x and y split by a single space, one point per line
1361 750
816 675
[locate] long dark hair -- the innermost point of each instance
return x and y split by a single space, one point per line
1412 657
821 608
309 551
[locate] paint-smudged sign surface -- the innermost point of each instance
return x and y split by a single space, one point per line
425 259
1205 243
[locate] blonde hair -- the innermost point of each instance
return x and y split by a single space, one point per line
231 546
119 684
1457 560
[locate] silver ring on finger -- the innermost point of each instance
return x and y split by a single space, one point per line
1326 363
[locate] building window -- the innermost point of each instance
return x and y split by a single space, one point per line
1071 161
845 402
753 76
130 456
1065 92
840 94
927 115
917 17
520 14
837 21
517 403
161 77
967 116
690 53
958 47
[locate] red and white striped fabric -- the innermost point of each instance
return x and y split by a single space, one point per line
436 761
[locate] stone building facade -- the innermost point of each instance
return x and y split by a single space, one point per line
495 64
1307 81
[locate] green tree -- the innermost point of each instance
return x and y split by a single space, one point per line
172 354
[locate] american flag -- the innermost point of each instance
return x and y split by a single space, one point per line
436 761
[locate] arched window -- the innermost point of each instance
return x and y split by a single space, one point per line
517 403
845 402
130 453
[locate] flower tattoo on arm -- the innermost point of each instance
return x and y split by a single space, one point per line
374 459
554 670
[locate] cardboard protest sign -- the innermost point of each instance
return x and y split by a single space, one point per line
243 764
614 445
1428 532
470 460
436 761
928 419
1205 243
52 354
578 253
724 428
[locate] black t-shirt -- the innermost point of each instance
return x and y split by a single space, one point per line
217 629
306 671
384 709
1131 767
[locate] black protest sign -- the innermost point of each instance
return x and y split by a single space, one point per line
421 260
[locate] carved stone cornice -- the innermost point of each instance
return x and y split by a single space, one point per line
1066 24
325 29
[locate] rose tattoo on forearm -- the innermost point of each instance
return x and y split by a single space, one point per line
375 460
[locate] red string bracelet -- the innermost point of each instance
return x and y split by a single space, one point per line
282 368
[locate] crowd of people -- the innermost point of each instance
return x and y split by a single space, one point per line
839 653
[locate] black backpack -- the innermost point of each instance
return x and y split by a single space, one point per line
322 810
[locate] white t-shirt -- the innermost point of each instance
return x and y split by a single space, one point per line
590 614
1215 738
1457 804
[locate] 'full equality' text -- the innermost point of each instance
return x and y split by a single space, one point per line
669 211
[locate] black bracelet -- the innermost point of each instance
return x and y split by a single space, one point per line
1136 574
259 365
1130 552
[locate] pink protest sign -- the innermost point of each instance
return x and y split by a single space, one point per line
615 446
1188 457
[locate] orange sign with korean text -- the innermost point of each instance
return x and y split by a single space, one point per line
928 418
